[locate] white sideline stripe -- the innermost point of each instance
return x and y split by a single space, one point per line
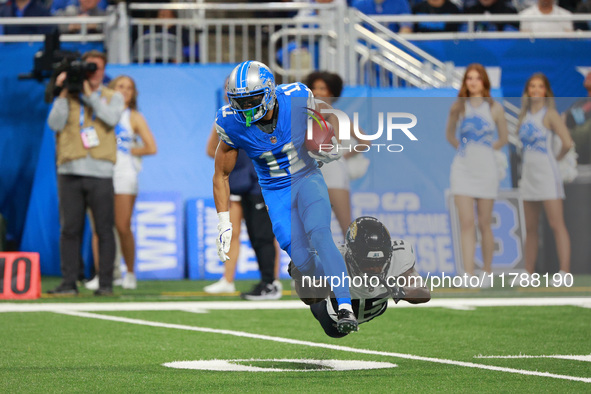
558 356
451 303
322 345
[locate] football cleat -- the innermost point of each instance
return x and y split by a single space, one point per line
347 322
64 289
262 291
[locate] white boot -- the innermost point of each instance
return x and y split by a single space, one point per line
92 284
487 281
129 282
278 285
221 286
559 282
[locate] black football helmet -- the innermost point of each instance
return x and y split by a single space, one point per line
369 247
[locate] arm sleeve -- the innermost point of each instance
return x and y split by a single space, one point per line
110 112
58 116
222 134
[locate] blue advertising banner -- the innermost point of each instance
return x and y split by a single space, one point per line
428 231
508 227
158 225
203 261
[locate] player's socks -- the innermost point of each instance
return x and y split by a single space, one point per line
345 303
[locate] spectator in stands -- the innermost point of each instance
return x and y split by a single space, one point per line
57 5
20 9
86 151
435 7
569 5
246 202
546 7
134 140
474 178
84 8
578 121
386 7
492 7
169 28
584 7
173 32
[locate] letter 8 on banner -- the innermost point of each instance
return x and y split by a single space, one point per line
20 275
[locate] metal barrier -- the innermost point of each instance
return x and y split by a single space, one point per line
379 46
303 43
322 36
114 32
472 19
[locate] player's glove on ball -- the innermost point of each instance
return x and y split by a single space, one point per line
224 235
326 157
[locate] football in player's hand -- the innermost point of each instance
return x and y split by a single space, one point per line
321 135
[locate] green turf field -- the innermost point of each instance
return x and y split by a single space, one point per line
88 344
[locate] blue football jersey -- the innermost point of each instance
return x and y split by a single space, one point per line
279 157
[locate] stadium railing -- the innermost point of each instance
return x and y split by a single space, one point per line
234 32
114 33
321 36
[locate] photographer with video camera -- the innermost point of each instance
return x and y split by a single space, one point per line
83 116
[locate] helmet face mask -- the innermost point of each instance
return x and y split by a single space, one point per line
369 248
251 91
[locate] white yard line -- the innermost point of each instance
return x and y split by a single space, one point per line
452 303
557 356
320 345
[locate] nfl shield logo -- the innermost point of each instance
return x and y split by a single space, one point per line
273 140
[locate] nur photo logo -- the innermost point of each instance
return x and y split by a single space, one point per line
389 123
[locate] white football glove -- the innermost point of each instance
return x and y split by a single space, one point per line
326 157
224 235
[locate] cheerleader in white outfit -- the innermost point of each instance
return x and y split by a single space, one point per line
480 123
541 184
134 139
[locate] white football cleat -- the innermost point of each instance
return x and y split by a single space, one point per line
221 286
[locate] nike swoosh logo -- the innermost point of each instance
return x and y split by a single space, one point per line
260 206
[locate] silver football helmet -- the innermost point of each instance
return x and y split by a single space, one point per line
251 91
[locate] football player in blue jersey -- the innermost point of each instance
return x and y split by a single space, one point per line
269 123
379 269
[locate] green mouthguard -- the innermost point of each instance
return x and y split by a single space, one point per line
248 116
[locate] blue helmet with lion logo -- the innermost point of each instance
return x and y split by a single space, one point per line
251 91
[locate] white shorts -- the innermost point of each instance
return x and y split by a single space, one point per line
336 174
125 183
